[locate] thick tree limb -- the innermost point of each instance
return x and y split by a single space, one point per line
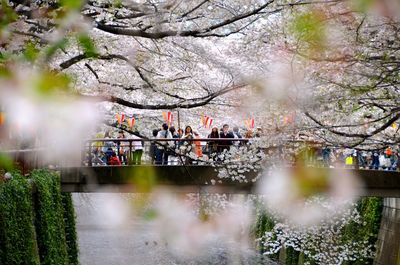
184 33
186 104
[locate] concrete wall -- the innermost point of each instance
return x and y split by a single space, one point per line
388 245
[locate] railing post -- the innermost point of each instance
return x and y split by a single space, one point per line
130 153
83 153
90 154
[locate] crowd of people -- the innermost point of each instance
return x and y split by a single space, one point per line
117 152
189 148
185 147
384 159
174 152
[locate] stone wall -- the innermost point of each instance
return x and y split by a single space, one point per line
388 244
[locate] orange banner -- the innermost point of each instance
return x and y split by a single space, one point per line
249 123
131 122
120 118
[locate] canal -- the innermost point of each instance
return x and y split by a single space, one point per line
109 234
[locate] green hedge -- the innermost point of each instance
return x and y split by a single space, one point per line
70 228
17 232
370 210
264 223
49 219
292 256
45 210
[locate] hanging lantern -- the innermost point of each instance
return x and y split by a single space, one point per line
120 118
206 121
289 119
170 117
131 122
246 123
2 118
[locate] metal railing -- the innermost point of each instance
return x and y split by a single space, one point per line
99 151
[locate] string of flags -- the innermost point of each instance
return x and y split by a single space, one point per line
249 123
206 121
131 122
168 117
121 118
288 119
1 118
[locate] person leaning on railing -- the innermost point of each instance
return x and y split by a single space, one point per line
225 134
153 148
212 146
137 151
108 147
249 136
97 150
187 146
172 157
197 144
162 147
122 148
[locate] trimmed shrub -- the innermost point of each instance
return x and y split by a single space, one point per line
49 218
70 228
370 210
17 232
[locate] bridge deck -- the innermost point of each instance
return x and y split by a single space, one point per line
192 178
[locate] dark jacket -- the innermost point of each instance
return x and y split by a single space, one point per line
226 144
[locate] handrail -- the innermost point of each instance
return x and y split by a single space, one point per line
167 139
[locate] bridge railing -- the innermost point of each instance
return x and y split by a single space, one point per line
134 151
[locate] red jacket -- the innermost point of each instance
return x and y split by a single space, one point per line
114 160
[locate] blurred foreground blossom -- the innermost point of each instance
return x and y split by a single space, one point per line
386 8
115 210
189 231
286 191
281 84
41 111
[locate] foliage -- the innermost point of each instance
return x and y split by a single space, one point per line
5 162
49 218
292 256
36 226
70 229
371 213
308 27
17 232
265 222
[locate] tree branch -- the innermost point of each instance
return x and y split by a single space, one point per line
186 104
356 135
170 33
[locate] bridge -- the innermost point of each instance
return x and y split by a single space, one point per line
202 176
191 178
89 177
